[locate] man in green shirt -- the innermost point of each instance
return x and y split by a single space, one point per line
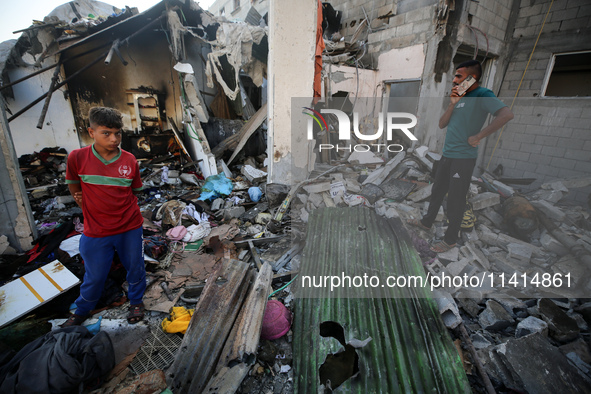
464 117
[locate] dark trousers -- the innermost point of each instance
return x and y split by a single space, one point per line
452 178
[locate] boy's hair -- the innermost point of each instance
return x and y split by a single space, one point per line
473 67
106 117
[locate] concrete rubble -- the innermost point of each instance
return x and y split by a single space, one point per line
527 313
500 315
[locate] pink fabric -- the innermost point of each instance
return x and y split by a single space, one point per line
276 320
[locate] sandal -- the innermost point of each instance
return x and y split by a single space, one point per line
417 223
136 313
441 247
74 320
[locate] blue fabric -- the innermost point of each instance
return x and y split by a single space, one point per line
216 186
255 194
98 253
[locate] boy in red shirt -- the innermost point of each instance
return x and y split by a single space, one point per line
103 179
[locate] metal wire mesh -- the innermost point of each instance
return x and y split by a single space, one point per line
158 352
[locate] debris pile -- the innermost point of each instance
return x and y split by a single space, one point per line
193 227
518 279
203 232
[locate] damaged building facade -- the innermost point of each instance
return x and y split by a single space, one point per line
174 67
193 88
535 58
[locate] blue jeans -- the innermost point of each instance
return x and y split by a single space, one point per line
98 253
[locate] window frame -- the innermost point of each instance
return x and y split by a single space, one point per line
549 70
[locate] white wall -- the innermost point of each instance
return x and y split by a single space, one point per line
58 129
291 74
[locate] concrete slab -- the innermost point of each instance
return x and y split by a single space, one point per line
495 317
541 367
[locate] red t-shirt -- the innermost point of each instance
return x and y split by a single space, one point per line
108 203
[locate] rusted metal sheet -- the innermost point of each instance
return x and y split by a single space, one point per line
411 350
209 328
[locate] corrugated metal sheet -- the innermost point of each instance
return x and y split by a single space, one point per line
411 350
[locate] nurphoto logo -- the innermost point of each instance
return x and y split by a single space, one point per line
393 122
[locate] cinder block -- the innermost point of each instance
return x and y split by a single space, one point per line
447 308
577 182
519 253
404 30
580 133
455 268
494 317
550 210
579 155
552 150
552 245
564 15
563 163
423 26
584 167
436 268
531 325
552 196
554 121
317 187
485 200
584 11
526 166
421 194
531 148
471 251
414 15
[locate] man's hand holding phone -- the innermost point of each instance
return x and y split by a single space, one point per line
460 89
466 84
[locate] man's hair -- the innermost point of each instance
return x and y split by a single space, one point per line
106 117
473 67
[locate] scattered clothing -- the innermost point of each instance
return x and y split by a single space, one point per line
64 360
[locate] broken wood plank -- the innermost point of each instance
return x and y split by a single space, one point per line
285 276
255 255
249 128
56 73
59 85
209 328
177 137
240 350
286 258
258 241
42 70
239 139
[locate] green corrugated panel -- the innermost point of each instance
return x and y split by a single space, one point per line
411 350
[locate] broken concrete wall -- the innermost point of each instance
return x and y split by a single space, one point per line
17 222
346 78
149 65
58 128
228 9
550 137
420 40
287 79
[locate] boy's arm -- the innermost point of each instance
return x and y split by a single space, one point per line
502 116
76 192
137 185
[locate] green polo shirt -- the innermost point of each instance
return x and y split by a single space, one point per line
466 120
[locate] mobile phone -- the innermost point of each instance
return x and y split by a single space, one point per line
465 85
